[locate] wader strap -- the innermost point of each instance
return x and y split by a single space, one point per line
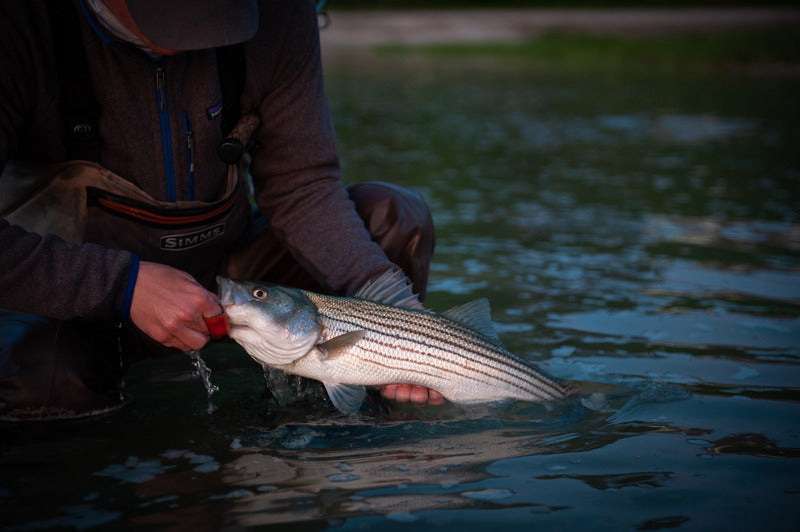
79 108
231 69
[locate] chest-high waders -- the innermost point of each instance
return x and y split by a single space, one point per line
51 368
63 369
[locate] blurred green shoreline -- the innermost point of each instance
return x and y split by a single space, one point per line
773 51
360 5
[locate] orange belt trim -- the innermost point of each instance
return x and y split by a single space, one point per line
147 216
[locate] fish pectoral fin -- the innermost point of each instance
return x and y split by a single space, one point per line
346 398
338 345
476 315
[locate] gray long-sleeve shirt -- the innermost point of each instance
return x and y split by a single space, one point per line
144 126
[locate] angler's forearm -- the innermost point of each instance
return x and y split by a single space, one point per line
47 276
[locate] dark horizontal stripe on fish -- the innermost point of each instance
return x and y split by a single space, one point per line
493 377
412 362
422 325
377 362
504 363
425 327
435 323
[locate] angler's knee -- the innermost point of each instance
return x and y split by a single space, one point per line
400 222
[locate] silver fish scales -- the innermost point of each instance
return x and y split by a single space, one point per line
349 343
431 350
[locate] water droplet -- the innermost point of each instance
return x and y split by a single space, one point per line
202 371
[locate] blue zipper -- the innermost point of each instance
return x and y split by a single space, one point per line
187 127
166 135
161 95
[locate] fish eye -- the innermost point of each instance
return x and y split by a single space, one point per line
259 293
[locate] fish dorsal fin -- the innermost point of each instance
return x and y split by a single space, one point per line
475 315
345 397
338 345
391 288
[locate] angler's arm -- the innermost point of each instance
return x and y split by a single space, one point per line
295 164
296 171
47 276
43 274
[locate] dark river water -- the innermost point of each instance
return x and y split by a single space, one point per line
636 233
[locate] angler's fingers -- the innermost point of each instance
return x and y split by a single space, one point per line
435 398
170 306
419 395
191 326
397 392
205 305
403 393
189 341
175 332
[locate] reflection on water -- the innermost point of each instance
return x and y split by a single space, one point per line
636 236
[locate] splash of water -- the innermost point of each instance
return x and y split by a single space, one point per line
204 372
287 389
120 353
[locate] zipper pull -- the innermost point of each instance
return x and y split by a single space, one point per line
190 146
187 127
160 88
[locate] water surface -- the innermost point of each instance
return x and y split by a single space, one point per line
638 234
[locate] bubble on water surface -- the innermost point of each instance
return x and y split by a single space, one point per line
596 401
745 373
401 517
235 494
489 494
342 477
657 392
134 470
563 351
342 466
289 437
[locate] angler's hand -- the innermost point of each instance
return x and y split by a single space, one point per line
169 305
403 392
419 395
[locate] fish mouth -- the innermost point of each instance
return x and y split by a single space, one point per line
227 292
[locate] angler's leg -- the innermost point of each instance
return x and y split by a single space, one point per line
52 369
397 218
401 224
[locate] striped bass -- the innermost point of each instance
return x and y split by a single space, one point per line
348 343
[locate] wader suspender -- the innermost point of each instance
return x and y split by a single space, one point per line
80 111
